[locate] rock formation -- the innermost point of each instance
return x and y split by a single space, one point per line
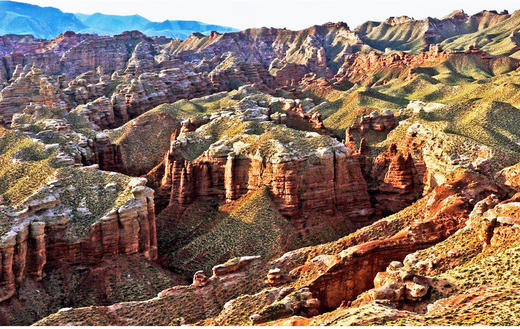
336 278
397 182
377 122
222 174
34 244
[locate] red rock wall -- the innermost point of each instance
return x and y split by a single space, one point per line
37 245
396 182
331 185
352 271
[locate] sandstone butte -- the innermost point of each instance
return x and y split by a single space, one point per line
327 176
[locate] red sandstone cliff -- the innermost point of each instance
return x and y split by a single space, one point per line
32 245
333 279
396 182
339 190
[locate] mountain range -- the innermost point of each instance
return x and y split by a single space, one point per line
49 22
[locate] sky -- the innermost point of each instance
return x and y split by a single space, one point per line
291 14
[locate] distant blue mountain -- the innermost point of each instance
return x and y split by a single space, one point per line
114 24
42 22
48 22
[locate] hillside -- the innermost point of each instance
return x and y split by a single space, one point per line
44 23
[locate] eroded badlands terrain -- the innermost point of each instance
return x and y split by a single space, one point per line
328 176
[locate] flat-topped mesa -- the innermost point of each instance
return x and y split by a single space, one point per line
48 233
305 172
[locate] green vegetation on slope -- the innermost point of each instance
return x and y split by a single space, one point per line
25 166
496 39
90 194
145 139
251 226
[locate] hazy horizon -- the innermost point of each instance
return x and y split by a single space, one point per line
294 14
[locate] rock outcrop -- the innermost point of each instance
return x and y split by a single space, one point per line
396 180
184 304
105 154
237 135
41 236
300 302
223 174
398 284
333 279
362 67
376 121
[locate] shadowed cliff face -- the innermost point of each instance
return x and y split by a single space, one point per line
333 182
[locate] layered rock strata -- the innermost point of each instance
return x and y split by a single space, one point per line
41 237
336 278
396 181
223 174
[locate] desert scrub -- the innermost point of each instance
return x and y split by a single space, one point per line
342 110
257 138
198 219
464 244
137 279
480 306
494 39
226 64
494 266
383 228
241 309
275 311
184 109
218 129
295 142
6 222
144 140
90 193
252 227
24 167
77 121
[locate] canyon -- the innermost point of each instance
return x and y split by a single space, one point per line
327 176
